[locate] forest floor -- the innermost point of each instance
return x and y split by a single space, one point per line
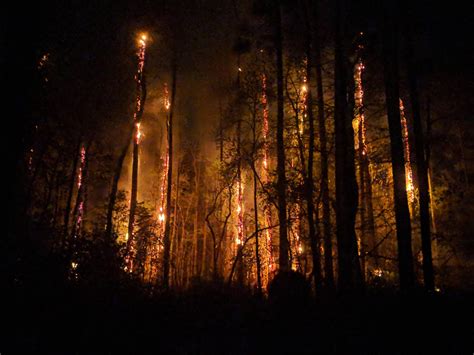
50 317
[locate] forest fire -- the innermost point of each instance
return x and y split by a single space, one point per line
245 177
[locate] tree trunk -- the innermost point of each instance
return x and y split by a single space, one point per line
346 186
327 230
166 239
140 106
204 245
195 246
402 213
367 226
422 170
134 191
240 222
255 202
78 211
115 181
430 184
174 248
67 212
281 181
313 238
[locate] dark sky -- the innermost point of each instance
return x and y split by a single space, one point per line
88 34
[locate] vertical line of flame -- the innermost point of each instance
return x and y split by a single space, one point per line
359 125
265 175
80 188
359 107
406 145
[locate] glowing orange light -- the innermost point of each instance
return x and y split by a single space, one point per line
166 98
406 144
377 272
240 214
81 167
359 109
142 40
161 213
265 178
139 133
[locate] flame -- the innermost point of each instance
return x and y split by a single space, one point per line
80 192
161 213
81 167
142 38
161 216
240 215
359 109
265 178
139 133
377 272
406 143
166 98
302 108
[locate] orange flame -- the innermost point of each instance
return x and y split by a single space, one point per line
406 143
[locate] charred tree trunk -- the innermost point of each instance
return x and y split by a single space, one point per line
204 255
167 239
281 180
313 238
429 170
239 256
78 211
174 246
195 245
134 190
422 170
350 278
367 224
72 180
326 215
141 98
115 181
402 213
255 202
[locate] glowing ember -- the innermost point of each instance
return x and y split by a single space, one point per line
377 272
81 167
43 60
30 159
